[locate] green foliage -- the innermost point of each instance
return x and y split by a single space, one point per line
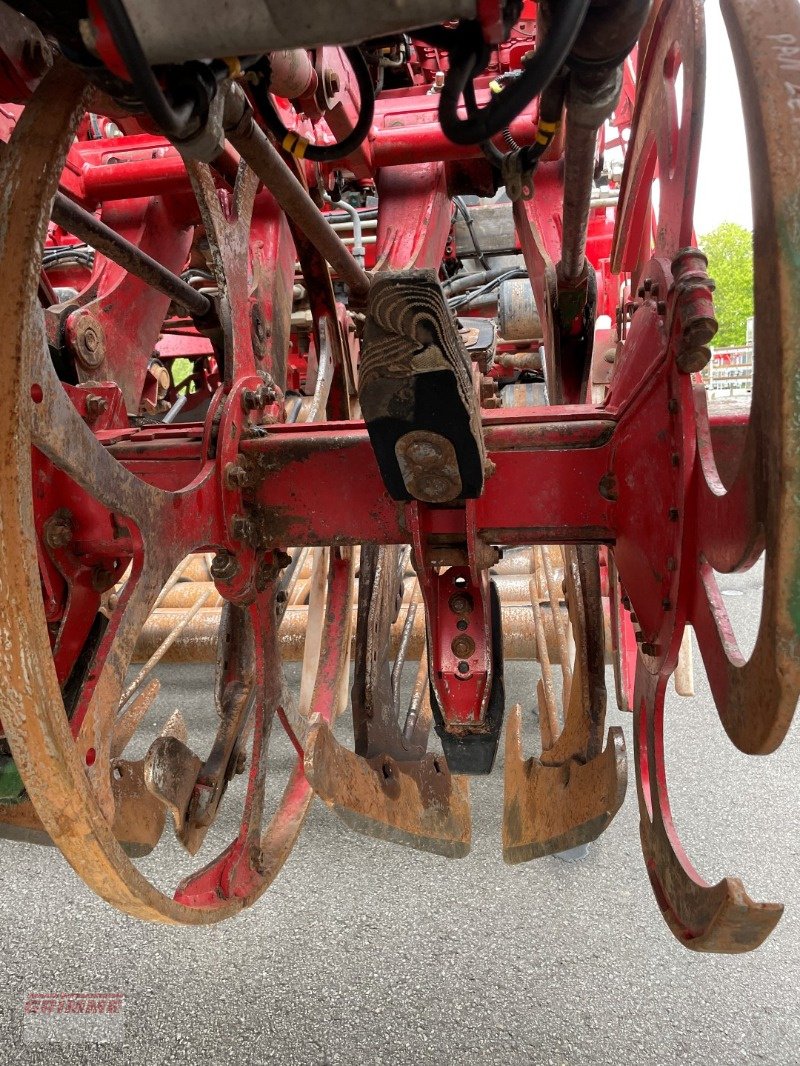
729 248
181 369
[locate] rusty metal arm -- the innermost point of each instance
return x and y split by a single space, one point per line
259 153
103 239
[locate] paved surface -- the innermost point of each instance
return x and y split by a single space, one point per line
367 953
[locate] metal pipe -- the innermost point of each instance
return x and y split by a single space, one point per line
101 237
579 153
358 241
263 158
198 641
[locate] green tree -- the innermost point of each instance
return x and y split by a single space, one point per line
729 248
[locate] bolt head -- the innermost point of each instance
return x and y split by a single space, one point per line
224 566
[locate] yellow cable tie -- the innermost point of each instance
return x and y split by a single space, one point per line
495 86
234 66
548 127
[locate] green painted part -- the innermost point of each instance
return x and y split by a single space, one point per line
11 786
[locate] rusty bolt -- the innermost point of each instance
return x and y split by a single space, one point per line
330 82
695 305
693 360
460 603
648 284
249 400
649 649
463 647
463 668
102 579
95 406
661 307
224 566
236 477
241 762
58 529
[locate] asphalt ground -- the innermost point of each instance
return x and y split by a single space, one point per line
364 952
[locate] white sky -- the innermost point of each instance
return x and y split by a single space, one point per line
723 193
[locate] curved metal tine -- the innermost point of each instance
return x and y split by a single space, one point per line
375 724
419 717
704 917
569 795
757 700
677 39
549 726
558 624
549 809
416 802
251 861
314 629
582 735
325 368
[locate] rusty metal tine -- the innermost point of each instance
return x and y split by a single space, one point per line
174 578
129 721
547 703
405 639
417 701
293 575
314 625
163 648
560 628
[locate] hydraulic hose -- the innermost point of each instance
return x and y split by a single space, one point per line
299 146
504 107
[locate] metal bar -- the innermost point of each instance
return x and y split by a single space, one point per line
259 153
116 248
163 648
579 156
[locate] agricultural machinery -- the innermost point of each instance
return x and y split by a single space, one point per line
341 336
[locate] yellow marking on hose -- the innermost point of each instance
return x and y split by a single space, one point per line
233 65
295 144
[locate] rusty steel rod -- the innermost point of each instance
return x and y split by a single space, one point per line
579 153
259 153
105 240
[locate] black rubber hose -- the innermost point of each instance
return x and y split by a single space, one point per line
173 122
503 108
299 146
